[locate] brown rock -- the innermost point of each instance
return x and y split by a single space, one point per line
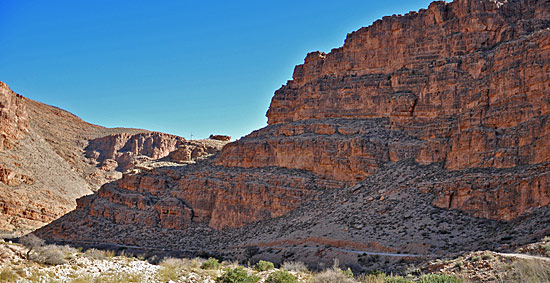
12 178
126 149
461 88
220 137
13 117
43 169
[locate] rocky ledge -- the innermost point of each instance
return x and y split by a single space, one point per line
437 119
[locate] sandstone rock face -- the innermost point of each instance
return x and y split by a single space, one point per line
175 197
339 149
431 125
43 167
196 149
464 84
13 117
220 137
126 149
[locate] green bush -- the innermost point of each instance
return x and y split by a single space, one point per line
348 273
397 279
281 276
263 265
439 278
237 275
211 263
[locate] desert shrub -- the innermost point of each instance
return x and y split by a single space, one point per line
372 278
172 269
211 263
236 275
190 263
281 276
181 263
168 273
330 276
348 273
7 275
487 256
95 254
31 242
297 266
50 254
439 278
397 279
263 265
531 271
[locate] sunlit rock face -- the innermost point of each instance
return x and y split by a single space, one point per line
462 88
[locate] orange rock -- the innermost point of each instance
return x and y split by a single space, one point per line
462 84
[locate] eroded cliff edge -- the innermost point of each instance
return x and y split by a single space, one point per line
438 118
50 157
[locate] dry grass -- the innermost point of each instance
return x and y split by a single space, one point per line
50 255
296 266
99 254
7 275
534 271
331 276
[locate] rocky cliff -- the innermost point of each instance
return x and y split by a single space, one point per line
49 158
429 128
465 84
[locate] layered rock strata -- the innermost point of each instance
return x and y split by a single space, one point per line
442 113
43 162
464 84
13 117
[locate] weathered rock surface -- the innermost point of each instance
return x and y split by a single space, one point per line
220 137
424 133
43 163
465 84
127 150
196 149
13 117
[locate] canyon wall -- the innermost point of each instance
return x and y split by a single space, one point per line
465 84
13 117
460 88
50 157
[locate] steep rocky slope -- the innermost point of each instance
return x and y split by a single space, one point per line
425 133
49 158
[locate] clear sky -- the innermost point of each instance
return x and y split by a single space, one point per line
181 67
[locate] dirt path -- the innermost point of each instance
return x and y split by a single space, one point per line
377 253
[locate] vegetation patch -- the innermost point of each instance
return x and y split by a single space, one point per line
263 265
211 263
281 276
237 275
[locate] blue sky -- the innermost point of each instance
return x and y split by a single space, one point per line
181 67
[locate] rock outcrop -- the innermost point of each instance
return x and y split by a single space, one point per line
48 159
220 137
422 133
464 84
123 151
13 117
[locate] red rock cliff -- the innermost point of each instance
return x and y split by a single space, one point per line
465 84
459 85
13 117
